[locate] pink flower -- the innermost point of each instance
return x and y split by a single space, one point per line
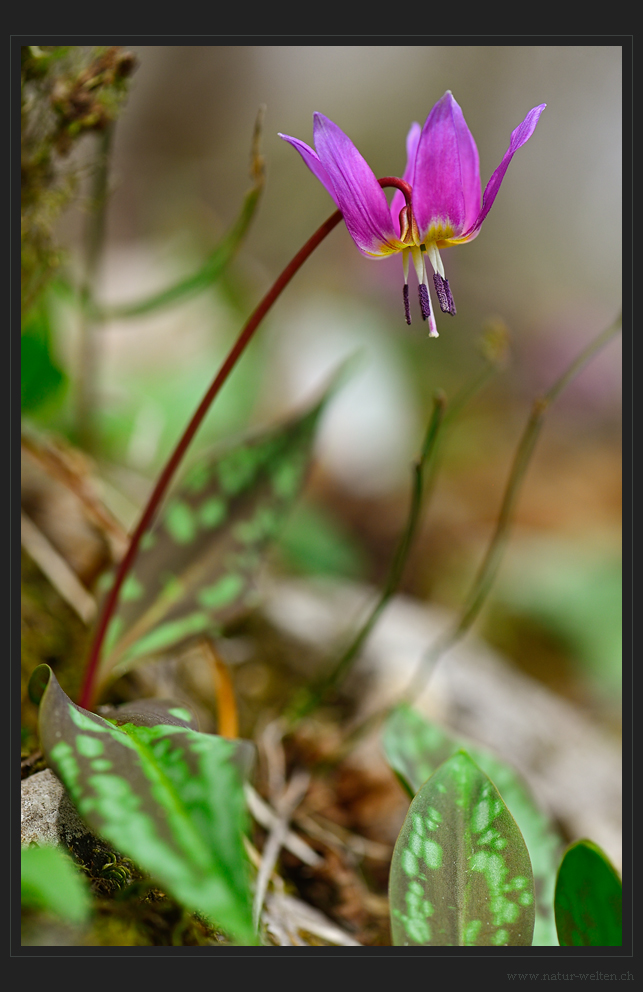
436 204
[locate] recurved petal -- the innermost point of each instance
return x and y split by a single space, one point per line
311 158
446 185
521 135
358 193
398 200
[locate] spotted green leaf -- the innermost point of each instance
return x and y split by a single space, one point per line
167 796
589 898
415 747
196 567
460 873
50 881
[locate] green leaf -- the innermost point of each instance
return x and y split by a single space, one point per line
196 566
41 379
575 592
460 873
218 259
414 748
315 543
166 796
50 881
589 900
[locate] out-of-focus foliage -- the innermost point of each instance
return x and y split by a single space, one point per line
415 747
42 381
196 566
50 881
162 793
66 92
460 873
589 898
574 591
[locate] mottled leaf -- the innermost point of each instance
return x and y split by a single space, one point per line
166 796
589 898
415 747
460 873
50 881
196 566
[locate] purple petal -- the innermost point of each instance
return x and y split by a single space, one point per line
311 158
446 185
359 196
521 135
398 200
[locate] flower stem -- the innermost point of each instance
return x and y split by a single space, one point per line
89 687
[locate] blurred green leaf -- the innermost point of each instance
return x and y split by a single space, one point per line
218 259
460 873
41 378
166 796
589 899
196 567
414 748
50 881
315 543
576 593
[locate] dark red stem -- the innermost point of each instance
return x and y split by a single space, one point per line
400 184
86 698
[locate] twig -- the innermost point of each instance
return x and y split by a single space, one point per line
292 796
267 818
57 464
56 569
288 912
341 839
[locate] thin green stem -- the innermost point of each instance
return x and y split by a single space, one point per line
491 561
313 698
424 475
90 683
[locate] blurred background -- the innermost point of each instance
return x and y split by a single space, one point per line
546 267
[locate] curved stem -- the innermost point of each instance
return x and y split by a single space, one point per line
89 683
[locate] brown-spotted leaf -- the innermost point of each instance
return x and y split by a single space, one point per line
415 747
460 872
195 569
164 795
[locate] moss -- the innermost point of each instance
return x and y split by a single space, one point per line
66 92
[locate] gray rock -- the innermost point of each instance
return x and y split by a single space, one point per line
47 814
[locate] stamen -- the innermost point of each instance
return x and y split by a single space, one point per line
445 299
407 308
425 303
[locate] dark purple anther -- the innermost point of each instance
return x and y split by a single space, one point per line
445 298
425 303
407 308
